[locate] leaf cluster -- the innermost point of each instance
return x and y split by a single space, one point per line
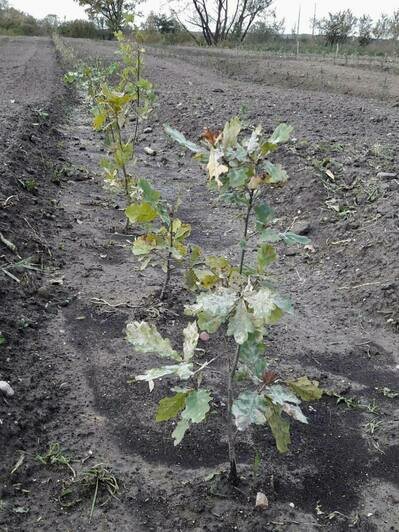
191 402
116 93
164 234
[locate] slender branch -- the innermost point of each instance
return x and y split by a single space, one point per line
138 94
233 476
169 258
120 144
249 209
174 13
233 364
124 171
205 365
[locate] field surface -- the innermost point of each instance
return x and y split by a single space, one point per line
63 311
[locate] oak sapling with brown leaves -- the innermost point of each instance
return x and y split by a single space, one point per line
118 93
239 298
131 94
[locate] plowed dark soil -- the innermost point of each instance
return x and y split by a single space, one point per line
66 356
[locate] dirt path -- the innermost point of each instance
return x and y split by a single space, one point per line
28 73
344 332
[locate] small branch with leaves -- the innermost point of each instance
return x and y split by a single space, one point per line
163 242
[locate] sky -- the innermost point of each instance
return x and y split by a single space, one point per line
287 9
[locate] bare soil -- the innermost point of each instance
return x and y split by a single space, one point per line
66 356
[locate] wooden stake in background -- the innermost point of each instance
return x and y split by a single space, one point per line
297 32
314 20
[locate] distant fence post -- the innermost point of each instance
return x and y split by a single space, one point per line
336 53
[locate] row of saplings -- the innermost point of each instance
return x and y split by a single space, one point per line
237 298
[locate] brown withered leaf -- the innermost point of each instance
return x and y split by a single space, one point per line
269 376
210 136
255 181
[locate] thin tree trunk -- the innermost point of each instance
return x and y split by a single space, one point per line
124 171
250 205
168 261
136 129
233 475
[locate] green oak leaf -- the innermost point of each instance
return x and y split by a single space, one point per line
183 371
117 99
141 212
218 263
253 141
208 323
292 238
248 408
214 305
144 84
146 261
263 214
240 324
262 302
150 195
182 140
280 427
2 339
190 340
197 406
190 279
281 134
275 316
170 407
145 338
180 430
180 229
252 356
238 153
295 412
279 395
195 254
306 389
284 303
269 235
123 154
275 173
230 133
99 120
206 278
143 245
237 177
266 148
266 254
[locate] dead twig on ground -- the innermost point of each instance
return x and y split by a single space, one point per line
359 285
7 200
100 301
10 245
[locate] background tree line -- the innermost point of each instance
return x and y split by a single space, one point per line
15 22
209 22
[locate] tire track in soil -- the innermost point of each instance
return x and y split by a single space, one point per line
331 334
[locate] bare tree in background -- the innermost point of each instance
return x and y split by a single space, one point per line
219 20
111 11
